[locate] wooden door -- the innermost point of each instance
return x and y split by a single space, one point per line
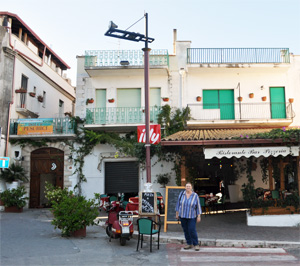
45 162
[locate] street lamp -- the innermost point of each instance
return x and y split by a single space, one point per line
113 31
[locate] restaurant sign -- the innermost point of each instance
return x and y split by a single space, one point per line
251 151
35 126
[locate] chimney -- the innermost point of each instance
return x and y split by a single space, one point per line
174 40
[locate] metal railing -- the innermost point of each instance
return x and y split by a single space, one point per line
241 111
120 115
237 55
107 58
61 125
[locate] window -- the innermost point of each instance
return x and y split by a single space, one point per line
44 99
61 108
24 82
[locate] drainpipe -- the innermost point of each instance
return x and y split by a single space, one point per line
174 40
181 85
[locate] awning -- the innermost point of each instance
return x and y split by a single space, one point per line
251 151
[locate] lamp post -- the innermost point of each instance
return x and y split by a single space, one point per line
137 37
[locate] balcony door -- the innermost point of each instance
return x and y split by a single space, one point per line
277 101
100 110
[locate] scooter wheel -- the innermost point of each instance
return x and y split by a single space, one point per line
108 230
122 241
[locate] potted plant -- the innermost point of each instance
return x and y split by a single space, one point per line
55 194
40 98
251 95
264 98
73 213
165 99
21 90
291 100
89 100
111 100
32 94
198 98
14 199
12 175
163 179
240 99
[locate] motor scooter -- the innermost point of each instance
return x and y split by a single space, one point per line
119 223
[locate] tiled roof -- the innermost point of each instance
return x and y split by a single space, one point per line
213 134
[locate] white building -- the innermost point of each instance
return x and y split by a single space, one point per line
35 96
267 80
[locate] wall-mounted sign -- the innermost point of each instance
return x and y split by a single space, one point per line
155 135
4 162
251 151
35 126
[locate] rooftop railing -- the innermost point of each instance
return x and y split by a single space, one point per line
120 115
109 58
237 55
241 111
37 126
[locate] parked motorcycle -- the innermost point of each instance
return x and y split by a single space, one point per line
119 223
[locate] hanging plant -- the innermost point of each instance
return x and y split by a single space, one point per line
264 163
264 98
112 100
40 98
198 98
89 100
240 99
21 90
291 100
165 99
32 94
251 95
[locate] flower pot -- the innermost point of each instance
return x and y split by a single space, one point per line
251 95
12 185
13 209
79 233
240 99
198 98
32 94
264 98
111 100
40 99
90 100
291 100
21 91
165 99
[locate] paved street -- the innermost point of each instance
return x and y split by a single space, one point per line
30 239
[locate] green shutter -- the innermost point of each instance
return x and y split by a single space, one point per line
277 99
226 104
101 98
210 99
155 97
129 97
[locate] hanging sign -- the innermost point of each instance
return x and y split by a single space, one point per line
251 151
155 135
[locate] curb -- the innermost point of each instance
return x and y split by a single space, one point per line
220 242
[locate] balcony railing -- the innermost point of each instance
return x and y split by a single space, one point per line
42 126
237 55
109 58
120 115
241 111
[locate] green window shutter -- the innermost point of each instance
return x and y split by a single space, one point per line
155 97
101 98
129 97
210 99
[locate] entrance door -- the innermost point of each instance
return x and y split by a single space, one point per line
100 111
47 165
277 99
121 177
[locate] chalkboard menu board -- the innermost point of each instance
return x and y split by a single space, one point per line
147 203
172 194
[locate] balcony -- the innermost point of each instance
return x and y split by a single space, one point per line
42 128
238 56
240 115
119 118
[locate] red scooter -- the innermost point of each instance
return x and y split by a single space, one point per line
119 222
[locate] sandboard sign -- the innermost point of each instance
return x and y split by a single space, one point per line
147 203
172 194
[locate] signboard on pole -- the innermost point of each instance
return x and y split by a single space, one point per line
155 134
4 162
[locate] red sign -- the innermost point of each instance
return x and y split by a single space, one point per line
154 134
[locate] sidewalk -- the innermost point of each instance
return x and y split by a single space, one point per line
230 230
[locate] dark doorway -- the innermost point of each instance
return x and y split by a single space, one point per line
46 165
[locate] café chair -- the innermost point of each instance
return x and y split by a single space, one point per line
204 207
146 227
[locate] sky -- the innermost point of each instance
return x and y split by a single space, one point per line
70 27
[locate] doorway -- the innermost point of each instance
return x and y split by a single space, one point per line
277 100
46 165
